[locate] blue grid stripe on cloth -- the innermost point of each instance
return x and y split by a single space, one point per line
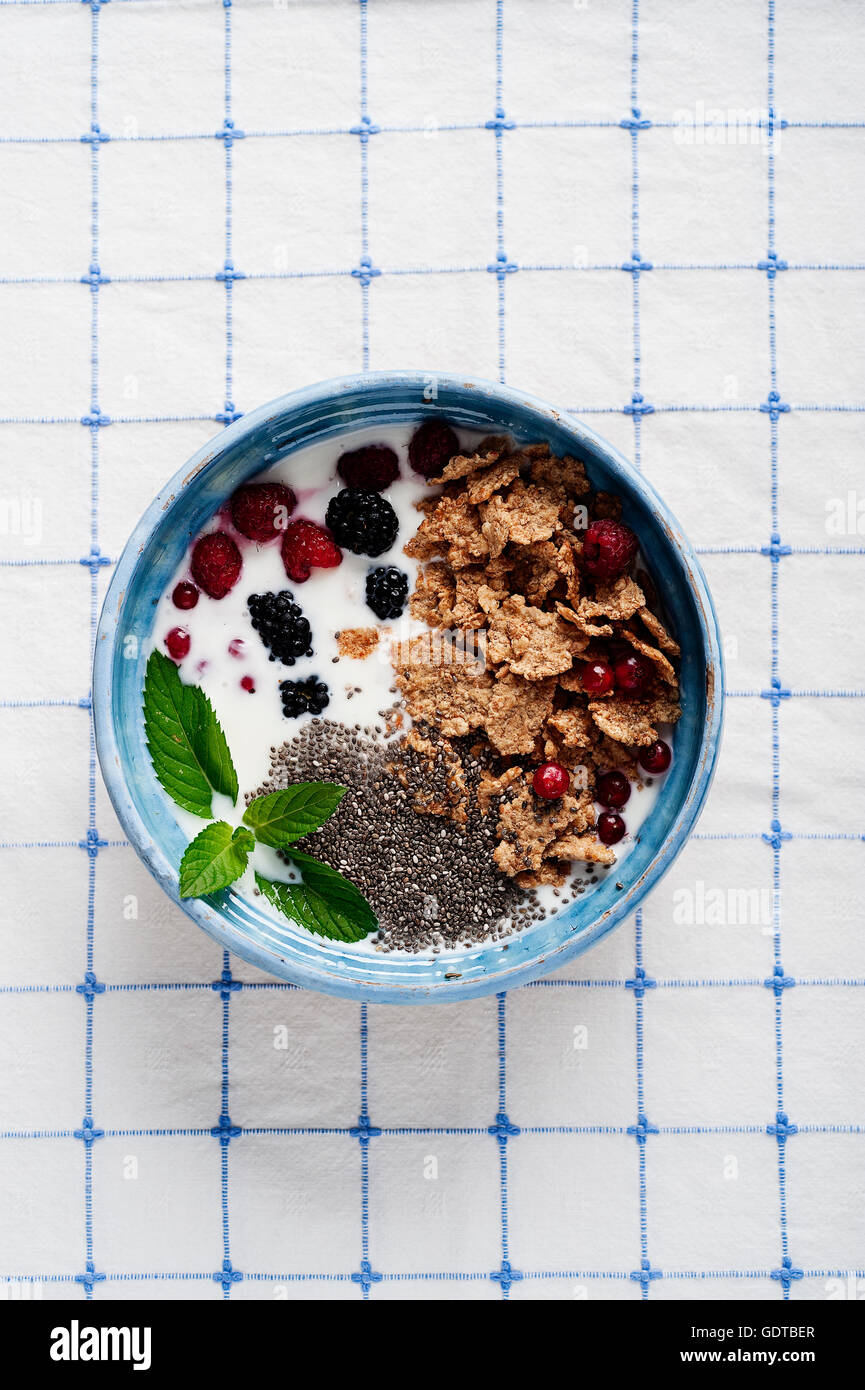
638 127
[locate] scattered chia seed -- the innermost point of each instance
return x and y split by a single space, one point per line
433 884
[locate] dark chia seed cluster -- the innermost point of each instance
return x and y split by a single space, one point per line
433 884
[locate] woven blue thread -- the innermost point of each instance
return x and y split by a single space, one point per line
91 843
778 836
365 129
505 1276
772 264
636 265
363 1131
95 136
644 1276
88 1133
502 1131
364 272
782 1129
774 406
640 982
642 1129
776 694
636 121
225 1131
90 987
95 561
95 279
225 986
90 1276
778 981
637 406
787 1274
366 1276
229 133
775 550
502 266
228 275
227 1277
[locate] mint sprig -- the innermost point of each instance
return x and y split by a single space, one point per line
281 817
323 902
185 739
191 760
214 859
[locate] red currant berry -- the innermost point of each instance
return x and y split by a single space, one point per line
551 781
632 674
184 596
597 677
611 828
613 789
236 647
178 643
657 757
247 683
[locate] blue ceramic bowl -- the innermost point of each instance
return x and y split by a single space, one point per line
156 548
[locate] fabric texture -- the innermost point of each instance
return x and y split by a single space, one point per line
649 214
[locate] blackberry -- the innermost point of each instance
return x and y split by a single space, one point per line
303 697
386 591
362 521
281 626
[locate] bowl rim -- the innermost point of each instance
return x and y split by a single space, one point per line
207 914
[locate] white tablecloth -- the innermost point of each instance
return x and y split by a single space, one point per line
650 216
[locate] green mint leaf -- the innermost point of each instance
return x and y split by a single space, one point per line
185 740
282 817
215 858
324 902
212 749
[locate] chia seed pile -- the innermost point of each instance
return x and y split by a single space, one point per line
432 883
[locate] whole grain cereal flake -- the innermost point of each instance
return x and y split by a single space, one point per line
618 601
517 712
534 643
633 722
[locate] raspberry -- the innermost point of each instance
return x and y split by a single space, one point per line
386 591
303 697
363 522
281 626
611 828
432 446
551 781
608 549
260 511
657 757
613 789
216 564
247 683
373 467
306 546
184 596
632 674
597 677
177 643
